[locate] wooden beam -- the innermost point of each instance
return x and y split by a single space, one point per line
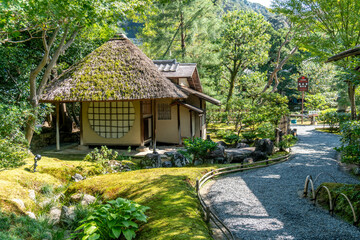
179 123
57 127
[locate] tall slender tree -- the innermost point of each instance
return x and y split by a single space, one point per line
181 29
243 45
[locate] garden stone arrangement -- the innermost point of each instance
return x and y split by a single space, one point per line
267 203
222 154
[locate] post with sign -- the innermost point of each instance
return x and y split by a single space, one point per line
303 86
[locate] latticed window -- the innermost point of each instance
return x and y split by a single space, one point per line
111 119
164 111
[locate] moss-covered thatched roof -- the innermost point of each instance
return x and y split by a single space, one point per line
117 70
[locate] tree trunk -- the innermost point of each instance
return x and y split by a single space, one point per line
182 36
351 92
35 92
231 90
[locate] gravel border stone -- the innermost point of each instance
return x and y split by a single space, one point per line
266 203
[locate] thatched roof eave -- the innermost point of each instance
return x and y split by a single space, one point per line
116 71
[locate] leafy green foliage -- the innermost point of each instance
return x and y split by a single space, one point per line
350 142
243 44
101 158
342 209
13 146
287 141
184 30
315 102
112 220
232 138
333 118
199 148
265 130
249 135
14 227
330 27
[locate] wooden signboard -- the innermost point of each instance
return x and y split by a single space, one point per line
303 84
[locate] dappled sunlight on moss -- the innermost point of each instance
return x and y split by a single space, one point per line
175 210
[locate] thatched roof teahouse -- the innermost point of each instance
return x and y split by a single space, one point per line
118 70
125 98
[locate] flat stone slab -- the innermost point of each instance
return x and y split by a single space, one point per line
237 155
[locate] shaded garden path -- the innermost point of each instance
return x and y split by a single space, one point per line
267 204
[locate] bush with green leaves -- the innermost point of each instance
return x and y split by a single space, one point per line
101 158
249 135
350 142
13 145
333 118
199 147
265 130
287 141
232 138
110 221
11 154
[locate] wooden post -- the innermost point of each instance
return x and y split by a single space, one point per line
207 214
179 123
142 137
81 125
197 186
201 121
57 127
154 127
191 123
302 108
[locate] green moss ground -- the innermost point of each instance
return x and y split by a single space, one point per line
169 192
175 211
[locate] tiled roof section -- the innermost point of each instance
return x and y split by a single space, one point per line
174 70
171 68
167 65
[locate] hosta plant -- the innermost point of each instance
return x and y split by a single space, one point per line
112 220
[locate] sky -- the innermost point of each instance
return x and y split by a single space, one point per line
266 3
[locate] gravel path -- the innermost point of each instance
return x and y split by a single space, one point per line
266 203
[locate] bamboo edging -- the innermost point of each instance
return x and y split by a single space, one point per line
209 215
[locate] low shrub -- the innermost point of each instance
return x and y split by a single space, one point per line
23 227
249 136
232 138
287 141
350 142
343 210
199 148
333 118
101 159
11 154
112 220
104 154
265 130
